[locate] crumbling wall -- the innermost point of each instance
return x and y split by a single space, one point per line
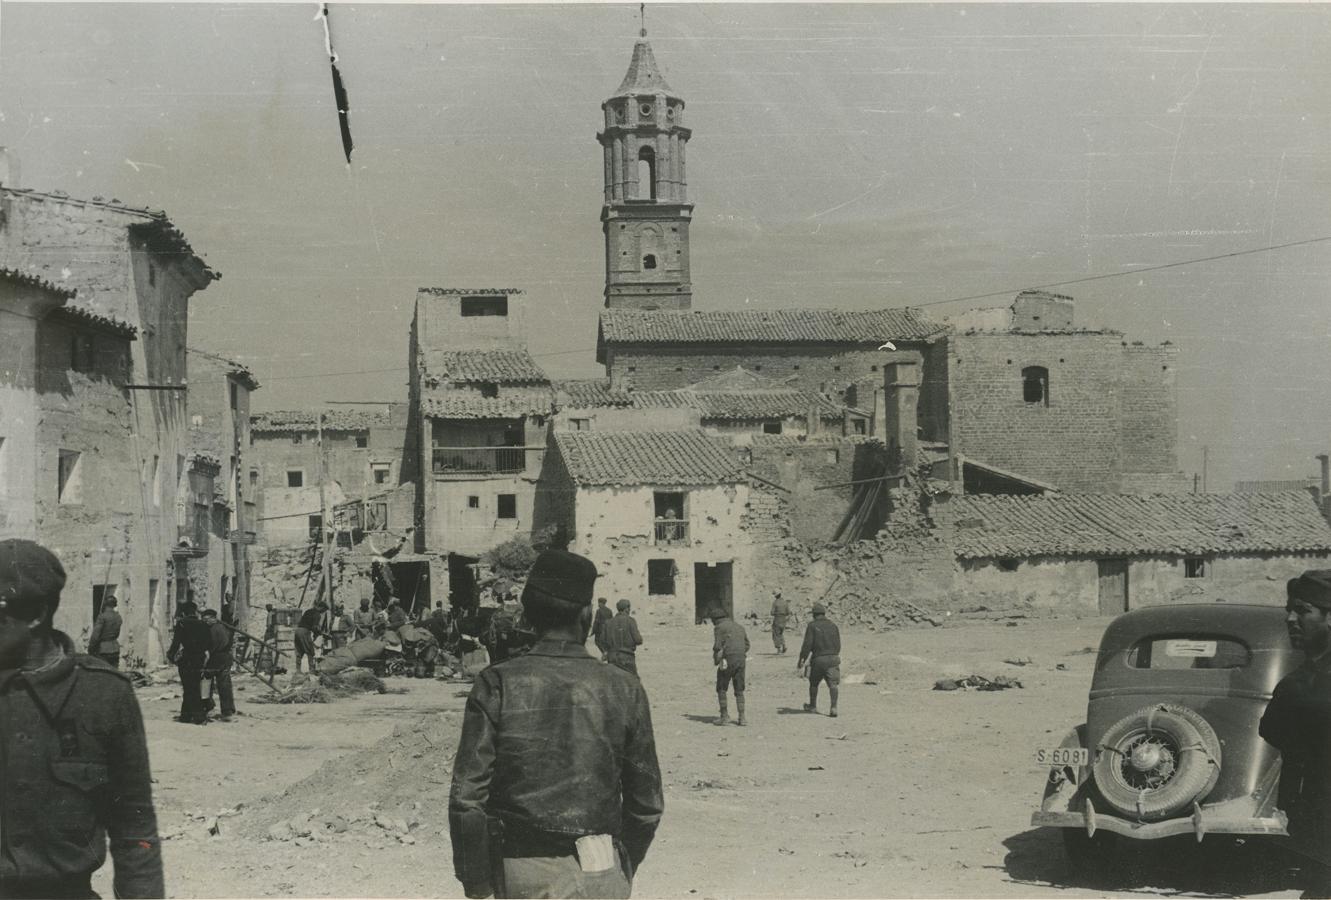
1073 442
1148 403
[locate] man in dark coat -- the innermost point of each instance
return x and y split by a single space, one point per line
189 651
1298 722
730 649
104 642
622 638
220 661
308 627
822 649
75 766
603 617
576 818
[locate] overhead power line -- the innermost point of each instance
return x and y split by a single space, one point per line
1004 293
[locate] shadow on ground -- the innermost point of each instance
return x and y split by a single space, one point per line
1221 865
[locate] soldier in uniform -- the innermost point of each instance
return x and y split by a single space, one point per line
576 818
75 757
622 638
730 648
822 650
104 642
780 616
189 651
1298 722
220 661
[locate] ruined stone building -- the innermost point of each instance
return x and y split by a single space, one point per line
218 549
479 410
133 268
362 472
1107 553
1078 409
660 513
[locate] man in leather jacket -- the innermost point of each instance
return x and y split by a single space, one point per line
75 757
556 789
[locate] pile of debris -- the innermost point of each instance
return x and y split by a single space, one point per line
326 688
977 683
395 791
875 612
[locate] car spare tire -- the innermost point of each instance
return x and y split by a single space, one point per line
1156 762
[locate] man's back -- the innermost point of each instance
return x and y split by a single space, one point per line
573 754
192 640
822 638
731 643
621 633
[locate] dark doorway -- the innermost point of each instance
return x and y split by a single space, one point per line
661 577
1113 586
412 580
462 581
712 590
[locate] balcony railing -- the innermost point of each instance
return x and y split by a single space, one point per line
480 460
672 531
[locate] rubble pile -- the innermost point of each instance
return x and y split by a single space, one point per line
395 791
327 688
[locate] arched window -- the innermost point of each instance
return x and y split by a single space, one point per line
647 173
1035 385
649 261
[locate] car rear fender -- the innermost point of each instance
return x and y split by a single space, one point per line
1065 782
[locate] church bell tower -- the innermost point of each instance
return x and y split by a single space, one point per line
646 213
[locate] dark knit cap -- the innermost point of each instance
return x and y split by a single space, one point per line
31 579
1313 586
819 609
560 580
622 604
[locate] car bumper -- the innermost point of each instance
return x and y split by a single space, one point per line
1201 823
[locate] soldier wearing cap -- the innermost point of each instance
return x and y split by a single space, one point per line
75 757
621 638
822 650
1298 722
104 642
556 790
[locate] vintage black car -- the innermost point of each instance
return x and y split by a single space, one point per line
1170 743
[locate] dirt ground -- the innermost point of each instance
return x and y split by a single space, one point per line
911 792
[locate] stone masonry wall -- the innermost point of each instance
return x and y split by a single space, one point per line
1149 410
1073 443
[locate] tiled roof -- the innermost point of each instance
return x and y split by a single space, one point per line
291 420
641 458
588 393
34 280
992 526
161 233
237 369
738 404
468 292
804 440
644 75
87 317
492 366
446 404
1266 487
875 326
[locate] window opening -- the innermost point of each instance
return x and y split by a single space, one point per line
362 441
671 516
1194 567
771 428
661 577
316 527
1035 385
647 174
484 306
489 390
649 261
69 488
295 478
381 472
473 502
507 506
1008 564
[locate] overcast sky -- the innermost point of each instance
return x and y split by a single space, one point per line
853 156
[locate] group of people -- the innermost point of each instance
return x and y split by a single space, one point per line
575 820
201 648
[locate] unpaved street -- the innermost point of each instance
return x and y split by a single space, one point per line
911 792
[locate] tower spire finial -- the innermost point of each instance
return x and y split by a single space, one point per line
642 15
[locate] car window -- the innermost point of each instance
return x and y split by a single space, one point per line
1185 651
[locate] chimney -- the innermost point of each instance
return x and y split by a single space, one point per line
9 170
901 382
1325 460
878 424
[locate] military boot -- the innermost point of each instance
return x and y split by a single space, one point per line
725 708
739 709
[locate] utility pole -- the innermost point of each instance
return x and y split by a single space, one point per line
325 520
1206 458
